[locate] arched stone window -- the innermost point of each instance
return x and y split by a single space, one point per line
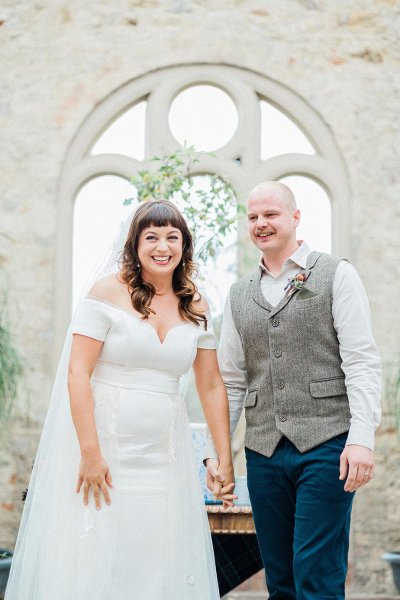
269 133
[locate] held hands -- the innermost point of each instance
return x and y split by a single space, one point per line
94 475
221 481
357 462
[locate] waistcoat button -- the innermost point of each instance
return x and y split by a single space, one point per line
275 322
281 385
282 418
278 353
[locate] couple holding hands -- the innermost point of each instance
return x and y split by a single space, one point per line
114 509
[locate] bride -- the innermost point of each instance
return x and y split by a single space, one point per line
114 509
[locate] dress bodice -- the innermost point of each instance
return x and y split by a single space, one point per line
132 353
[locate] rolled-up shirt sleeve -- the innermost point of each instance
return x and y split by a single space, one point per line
232 366
361 362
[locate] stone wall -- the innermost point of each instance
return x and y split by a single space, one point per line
59 59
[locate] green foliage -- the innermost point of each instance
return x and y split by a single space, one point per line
210 209
10 367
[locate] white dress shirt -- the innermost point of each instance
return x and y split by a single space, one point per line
352 321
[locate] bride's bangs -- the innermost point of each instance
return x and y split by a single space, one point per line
162 214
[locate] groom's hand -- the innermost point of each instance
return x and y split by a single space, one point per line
357 462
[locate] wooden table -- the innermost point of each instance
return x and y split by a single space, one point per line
237 556
233 520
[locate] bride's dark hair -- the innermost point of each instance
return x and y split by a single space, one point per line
161 213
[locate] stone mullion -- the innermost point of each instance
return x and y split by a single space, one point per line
159 139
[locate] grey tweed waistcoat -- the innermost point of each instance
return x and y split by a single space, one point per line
296 386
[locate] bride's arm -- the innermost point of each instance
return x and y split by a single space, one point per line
94 473
212 393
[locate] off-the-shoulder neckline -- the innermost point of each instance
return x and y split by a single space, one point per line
138 317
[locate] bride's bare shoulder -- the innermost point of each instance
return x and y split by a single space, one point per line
107 288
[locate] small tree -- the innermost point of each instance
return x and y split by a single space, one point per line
211 210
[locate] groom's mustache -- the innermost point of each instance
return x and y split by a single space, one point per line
263 230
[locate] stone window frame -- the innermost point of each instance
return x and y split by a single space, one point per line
159 88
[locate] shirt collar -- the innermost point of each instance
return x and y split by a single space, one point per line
299 257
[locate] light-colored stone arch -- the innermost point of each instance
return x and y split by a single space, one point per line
159 88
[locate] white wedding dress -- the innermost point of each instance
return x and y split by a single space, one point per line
153 542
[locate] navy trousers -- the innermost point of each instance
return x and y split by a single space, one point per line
302 518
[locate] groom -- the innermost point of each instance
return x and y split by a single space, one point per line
297 351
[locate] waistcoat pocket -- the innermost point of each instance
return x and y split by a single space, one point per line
323 388
251 398
305 294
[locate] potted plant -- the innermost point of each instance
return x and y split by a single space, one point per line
393 396
5 565
10 371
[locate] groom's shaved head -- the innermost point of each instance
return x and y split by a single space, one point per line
275 189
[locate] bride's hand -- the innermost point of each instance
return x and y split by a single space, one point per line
94 474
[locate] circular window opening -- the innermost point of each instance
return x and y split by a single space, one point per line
203 116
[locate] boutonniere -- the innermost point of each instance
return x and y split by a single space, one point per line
296 282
